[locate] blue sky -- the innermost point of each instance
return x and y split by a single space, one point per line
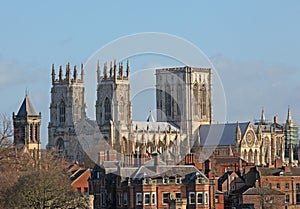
254 46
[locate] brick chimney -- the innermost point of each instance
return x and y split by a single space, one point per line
156 161
287 169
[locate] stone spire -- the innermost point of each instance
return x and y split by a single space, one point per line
262 118
26 108
68 72
75 75
110 69
60 73
238 132
98 71
53 73
105 70
127 69
289 119
82 72
115 69
121 69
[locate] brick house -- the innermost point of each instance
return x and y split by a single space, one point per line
258 198
153 185
284 179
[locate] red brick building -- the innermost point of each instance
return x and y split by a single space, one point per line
285 179
153 185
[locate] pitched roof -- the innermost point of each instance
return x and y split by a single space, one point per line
220 134
26 108
265 171
264 191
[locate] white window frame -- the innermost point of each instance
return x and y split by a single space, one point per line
137 195
206 198
202 198
190 198
153 194
147 193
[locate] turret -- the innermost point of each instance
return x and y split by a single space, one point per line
115 69
82 73
60 73
75 75
68 72
121 70
105 70
98 72
110 69
53 73
262 118
289 119
128 69
238 133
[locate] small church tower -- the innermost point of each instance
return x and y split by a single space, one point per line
27 128
67 107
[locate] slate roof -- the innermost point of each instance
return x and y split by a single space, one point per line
26 108
220 134
153 126
264 191
77 174
295 171
228 160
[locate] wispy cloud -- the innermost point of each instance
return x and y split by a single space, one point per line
14 74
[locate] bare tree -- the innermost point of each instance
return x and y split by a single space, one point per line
40 184
6 132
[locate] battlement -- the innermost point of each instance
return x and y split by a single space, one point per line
113 74
68 78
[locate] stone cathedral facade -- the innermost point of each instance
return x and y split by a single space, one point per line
184 119
184 101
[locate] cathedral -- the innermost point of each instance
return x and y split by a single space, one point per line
184 119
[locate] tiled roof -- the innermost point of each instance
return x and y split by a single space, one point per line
220 134
26 108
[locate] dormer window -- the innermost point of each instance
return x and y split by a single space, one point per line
165 180
178 180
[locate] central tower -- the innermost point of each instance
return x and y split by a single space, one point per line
184 96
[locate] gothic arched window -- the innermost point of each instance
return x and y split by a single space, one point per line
203 102
179 98
62 112
60 147
168 99
76 108
195 98
121 108
107 109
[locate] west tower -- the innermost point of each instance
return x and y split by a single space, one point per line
67 107
113 105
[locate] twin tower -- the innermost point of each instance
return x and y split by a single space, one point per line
183 102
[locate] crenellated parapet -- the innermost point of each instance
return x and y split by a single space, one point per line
70 76
113 72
